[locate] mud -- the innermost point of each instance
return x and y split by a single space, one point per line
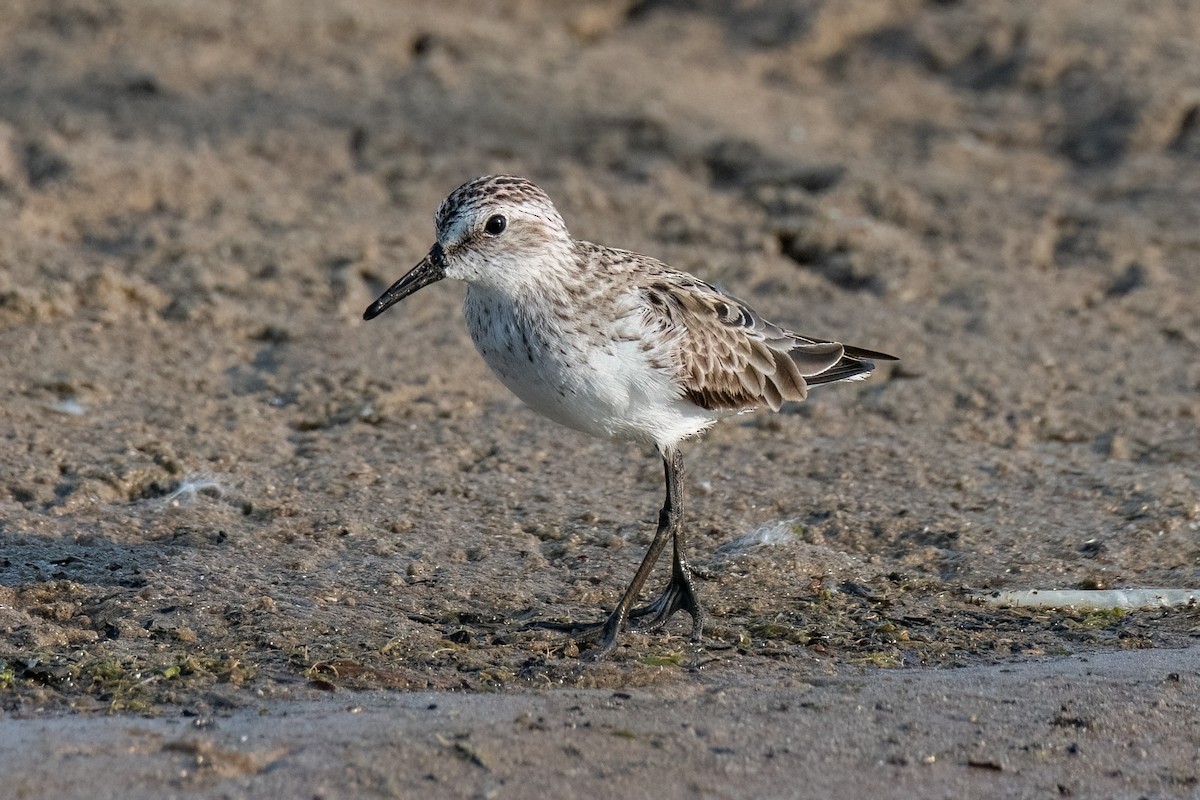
219 488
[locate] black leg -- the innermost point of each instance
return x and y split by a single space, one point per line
680 592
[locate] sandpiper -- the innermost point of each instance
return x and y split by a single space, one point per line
617 345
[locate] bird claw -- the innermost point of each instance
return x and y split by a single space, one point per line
602 636
680 594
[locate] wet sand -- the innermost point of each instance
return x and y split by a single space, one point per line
1103 725
221 490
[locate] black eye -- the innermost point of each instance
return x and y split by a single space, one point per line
495 225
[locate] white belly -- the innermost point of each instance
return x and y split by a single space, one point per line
600 382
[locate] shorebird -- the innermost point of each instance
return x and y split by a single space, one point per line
617 345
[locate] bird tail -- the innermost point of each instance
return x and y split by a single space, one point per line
855 364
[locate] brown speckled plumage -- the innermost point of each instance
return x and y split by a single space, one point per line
725 356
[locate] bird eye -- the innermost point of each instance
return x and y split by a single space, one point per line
495 225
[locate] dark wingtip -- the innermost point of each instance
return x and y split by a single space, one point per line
869 355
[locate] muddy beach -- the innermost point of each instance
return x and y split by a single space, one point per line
229 507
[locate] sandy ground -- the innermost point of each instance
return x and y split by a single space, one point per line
1118 725
221 491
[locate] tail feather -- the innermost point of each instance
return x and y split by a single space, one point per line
855 364
848 369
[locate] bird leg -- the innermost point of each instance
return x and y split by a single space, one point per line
680 593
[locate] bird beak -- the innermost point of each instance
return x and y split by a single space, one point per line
431 270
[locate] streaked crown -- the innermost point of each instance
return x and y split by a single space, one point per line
496 193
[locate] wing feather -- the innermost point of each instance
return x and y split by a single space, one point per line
729 358
725 356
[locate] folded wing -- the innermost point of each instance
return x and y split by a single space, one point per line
732 359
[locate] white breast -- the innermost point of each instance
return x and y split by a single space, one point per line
602 377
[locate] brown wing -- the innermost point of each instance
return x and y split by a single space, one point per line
729 357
